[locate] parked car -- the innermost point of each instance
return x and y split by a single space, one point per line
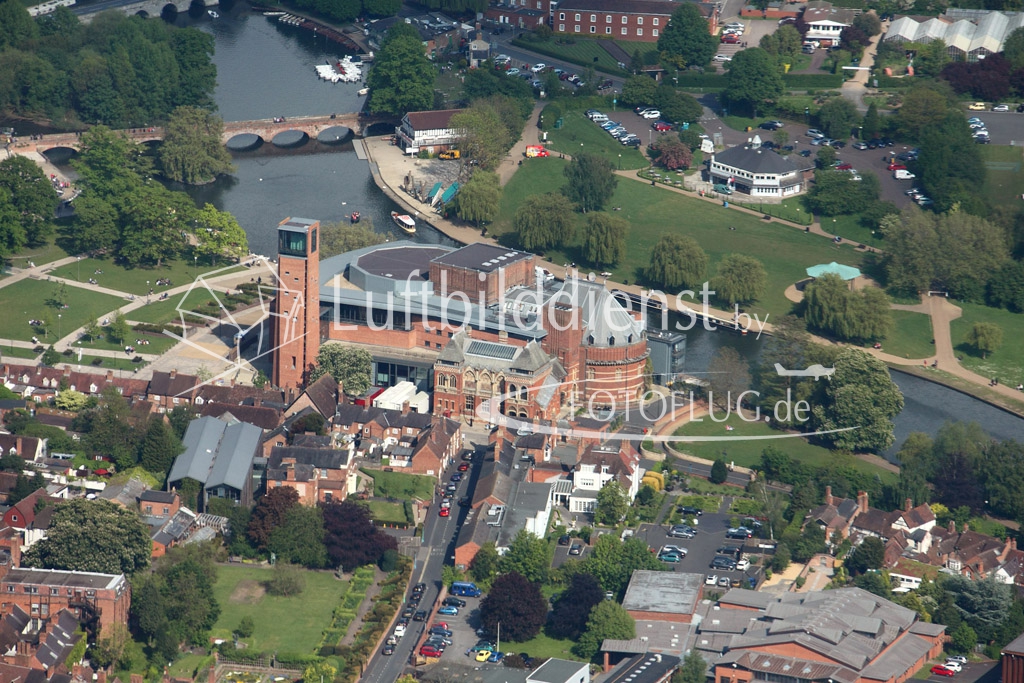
772 125
681 530
896 167
651 114
449 611
421 615
388 650
438 631
722 58
482 645
399 631
496 657
444 512
1001 107
730 39
938 669
463 466
634 142
743 565
977 106
453 602
564 540
711 580
483 655
815 133
960 659
955 666
845 167
429 651
723 582
670 557
690 510
674 549
661 126
576 549
738 532
537 68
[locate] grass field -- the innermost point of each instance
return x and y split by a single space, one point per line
789 210
850 228
580 134
911 335
748 453
28 299
581 51
17 352
400 485
1003 186
134 280
166 311
45 253
1007 363
158 343
543 647
545 175
383 511
292 624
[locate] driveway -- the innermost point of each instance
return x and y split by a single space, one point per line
974 672
711 528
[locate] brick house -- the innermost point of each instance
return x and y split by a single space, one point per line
168 390
318 475
155 503
631 20
22 514
103 598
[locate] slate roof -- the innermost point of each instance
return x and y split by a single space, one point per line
350 414
462 349
606 320
124 494
755 160
240 394
819 12
154 496
217 453
59 641
647 7
306 460
172 383
323 393
263 417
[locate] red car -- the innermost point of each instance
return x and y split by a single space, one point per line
444 512
463 467
942 671
730 40
897 167
844 167
661 126
430 651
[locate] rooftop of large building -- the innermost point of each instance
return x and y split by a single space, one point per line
666 592
57 577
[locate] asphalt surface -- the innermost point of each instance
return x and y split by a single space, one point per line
974 672
1004 128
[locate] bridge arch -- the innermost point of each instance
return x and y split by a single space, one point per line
244 142
293 137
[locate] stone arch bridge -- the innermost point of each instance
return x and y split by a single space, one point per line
312 127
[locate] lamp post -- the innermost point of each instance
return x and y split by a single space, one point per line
79 259
58 327
148 290
195 264
620 162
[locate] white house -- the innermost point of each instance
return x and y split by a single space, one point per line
825 23
756 171
600 464
426 130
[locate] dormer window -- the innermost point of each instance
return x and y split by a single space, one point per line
611 340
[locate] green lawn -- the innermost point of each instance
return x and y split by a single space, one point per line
580 134
537 176
543 646
134 280
46 253
401 485
293 624
383 511
850 228
580 51
29 299
1007 363
748 453
158 343
17 352
911 335
789 210
1003 185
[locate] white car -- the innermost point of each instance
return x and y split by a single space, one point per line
955 666
736 24
722 58
513 72
743 565
1001 107
711 580
537 68
651 114
399 631
673 549
960 659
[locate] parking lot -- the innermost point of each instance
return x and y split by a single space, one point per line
1004 127
974 672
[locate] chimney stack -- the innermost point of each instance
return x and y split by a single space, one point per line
101 676
173 373
862 501
110 375
908 505
951 527
828 495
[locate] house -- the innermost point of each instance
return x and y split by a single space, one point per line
427 131
41 383
825 23
125 495
322 396
38 643
1012 658
265 417
220 457
599 464
318 475
153 503
29 448
94 599
168 390
663 596
756 171
846 635
477 52
632 20
522 14
22 514
174 531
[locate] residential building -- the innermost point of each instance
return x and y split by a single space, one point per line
969 34
220 457
663 596
38 643
427 131
125 495
825 23
846 635
29 448
478 51
22 515
417 443
174 531
318 475
753 170
599 464
322 397
96 600
40 383
168 390
1012 659
522 14
630 20
163 504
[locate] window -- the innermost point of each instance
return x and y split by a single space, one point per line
576 29
607 18
654 32
577 16
623 19
561 28
593 18
561 16
639 31
608 30
655 21
625 30
469 404
593 29
427 344
639 21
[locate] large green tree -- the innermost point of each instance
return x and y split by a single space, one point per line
986 337
861 399
753 80
949 167
338 238
219 235
528 555
607 619
402 77
483 137
832 307
612 503
687 41
480 198
299 539
159 447
31 194
350 367
677 261
638 90
544 221
92 536
591 182
192 151
604 239
741 279
570 612
837 117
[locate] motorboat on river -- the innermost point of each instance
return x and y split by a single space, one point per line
404 221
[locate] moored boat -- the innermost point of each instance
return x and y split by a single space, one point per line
213 15
404 221
355 216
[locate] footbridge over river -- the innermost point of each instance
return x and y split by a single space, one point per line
290 131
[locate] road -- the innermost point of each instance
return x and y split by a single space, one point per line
93 7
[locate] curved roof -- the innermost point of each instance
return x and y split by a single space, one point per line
606 322
845 272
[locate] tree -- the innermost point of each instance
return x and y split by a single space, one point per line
671 153
96 224
608 620
740 279
191 606
192 151
693 670
339 238
728 376
483 137
485 563
402 77
985 337
638 90
753 79
871 126
869 23
923 109
544 221
92 536
604 239
612 562
860 398
287 580
676 105
300 537
270 512
351 538
570 612
155 223
218 234
612 504
350 367
963 639
590 181
838 192
983 604
687 41
318 672
246 627
159 447
31 195
677 261
527 555
517 605
781 558
954 174
50 356
837 117
870 554
479 199
832 307
1013 48
719 472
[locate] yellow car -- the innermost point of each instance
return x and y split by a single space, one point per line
483 655
978 106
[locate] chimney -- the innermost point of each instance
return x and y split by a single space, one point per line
828 495
951 527
966 528
173 373
862 501
67 371
212 676
503 336
101 676
1007 547
908 505
136 678
405 407
469 331
76 670
110 375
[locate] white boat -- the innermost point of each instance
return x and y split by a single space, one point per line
273 14
404 221
344 71
213 15
363 91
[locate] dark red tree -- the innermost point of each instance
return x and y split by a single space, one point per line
569 616
351 538
269 514
517 605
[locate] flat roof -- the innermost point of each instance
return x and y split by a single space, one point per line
297 224
57 577
400 262
646 668
484 258
671 592
558 671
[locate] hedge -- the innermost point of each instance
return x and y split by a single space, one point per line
792 81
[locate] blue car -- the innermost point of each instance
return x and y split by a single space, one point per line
457 477
449 611
496 657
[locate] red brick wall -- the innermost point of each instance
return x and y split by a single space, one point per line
644 24
449 279
297 342
1013 668
661 616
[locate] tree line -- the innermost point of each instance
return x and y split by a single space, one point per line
118 71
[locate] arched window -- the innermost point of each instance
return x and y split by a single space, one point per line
512 393
469 382
523 395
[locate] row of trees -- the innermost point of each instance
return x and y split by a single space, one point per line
117 70
678 262
27 205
